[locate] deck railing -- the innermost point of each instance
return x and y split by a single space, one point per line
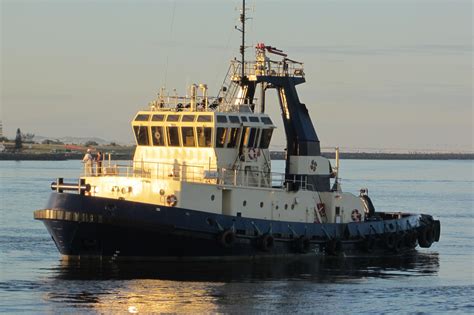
195 173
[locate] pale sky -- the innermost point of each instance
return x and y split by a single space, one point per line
391 74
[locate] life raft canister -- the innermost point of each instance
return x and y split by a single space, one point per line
171 200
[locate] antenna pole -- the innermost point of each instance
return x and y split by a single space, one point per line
242 47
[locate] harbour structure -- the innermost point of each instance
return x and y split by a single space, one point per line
201 185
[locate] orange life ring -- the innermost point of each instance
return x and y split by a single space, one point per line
171 200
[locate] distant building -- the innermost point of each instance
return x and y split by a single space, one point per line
1 129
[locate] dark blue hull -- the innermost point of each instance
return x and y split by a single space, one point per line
83 226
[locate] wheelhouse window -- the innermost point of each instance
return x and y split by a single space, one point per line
267 121
141 134
204 118
157 135
265 139
158 117
233 137
187 134
234 119
204 136
142 117
252 137
221 136
172 118
221 119
173 136
253 119
187 118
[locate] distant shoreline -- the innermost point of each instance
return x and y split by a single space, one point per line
275 155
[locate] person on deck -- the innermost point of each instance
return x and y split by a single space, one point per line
98 161
87 160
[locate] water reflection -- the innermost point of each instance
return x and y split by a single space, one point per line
215 286
321 269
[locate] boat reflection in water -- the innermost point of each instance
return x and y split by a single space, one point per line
215 286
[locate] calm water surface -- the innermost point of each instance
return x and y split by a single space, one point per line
34 279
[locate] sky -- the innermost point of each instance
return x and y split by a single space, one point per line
381 74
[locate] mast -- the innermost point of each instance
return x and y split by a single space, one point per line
242 46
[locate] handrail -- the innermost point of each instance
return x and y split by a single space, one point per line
196 174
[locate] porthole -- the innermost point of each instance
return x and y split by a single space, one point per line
286 206
276 208
292 207
261 204
244 203
213 197
162 192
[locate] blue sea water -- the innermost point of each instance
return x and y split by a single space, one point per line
34 279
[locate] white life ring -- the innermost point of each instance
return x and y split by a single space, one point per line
252 154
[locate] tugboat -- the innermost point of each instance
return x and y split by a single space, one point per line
200 185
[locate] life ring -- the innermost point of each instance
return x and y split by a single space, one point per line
302 244
333 247
226 238
171 200
356 216
252 154
426 236
265 242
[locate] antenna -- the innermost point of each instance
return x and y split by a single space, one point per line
242 30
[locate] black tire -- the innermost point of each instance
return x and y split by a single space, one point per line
302 244
390 240
368 244
333 247
426 236
226 238
266 242
410 239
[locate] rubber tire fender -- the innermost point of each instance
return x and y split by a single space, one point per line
226 238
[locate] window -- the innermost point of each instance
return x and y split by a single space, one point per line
204 136
244 118
266 137
172 118
142 117
158 117
252 137
221 136
141 134
187 134
157 135
221 119
234 119
267 121
234 136
204 118
173 136
253 119
188 118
